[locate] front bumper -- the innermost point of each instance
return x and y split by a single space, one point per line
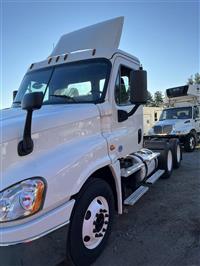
49 232
49 250
36 228
167 136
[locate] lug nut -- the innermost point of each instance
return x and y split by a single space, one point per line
86 238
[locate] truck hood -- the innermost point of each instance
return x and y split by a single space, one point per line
49 116
60 134
173 122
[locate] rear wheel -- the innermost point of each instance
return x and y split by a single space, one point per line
165 159
190 142
91 222
165 162
177 152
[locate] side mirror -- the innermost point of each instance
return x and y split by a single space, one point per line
138 86
14 95
31 101
138 93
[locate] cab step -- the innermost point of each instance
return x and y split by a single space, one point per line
136 195
153 178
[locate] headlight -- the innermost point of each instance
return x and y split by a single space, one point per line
21 200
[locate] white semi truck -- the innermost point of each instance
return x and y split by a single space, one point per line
181 117
72 150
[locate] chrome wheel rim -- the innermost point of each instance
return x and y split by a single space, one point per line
95 223
192 142
178 153
169 161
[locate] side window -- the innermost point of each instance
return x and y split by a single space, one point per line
122 86
196 112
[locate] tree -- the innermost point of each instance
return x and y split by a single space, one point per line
197 78
194 80
158 98
150 101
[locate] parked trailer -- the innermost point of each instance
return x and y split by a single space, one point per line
72 147
151 116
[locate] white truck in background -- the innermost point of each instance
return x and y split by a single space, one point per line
181 117
72 150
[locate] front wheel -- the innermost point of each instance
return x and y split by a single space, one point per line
91 222
190 143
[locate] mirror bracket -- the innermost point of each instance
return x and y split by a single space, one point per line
31 101
123 115
25 146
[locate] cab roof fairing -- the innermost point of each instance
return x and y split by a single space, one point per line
101 36
97 41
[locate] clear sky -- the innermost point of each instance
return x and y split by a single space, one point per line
164 35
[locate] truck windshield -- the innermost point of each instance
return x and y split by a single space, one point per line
77 82
176 113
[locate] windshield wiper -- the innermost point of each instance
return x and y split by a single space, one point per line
64 97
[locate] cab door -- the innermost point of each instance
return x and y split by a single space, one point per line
126 136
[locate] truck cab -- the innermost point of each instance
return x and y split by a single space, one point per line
181 117
72 146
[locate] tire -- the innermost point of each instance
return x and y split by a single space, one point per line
176 152
190 142
165 162
164 148
91 222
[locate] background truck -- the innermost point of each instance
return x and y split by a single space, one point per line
181 118
72 148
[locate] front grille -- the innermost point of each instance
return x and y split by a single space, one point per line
157 129
165 129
